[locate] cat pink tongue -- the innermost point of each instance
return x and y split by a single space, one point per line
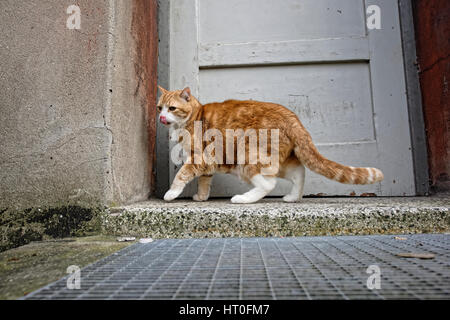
163 120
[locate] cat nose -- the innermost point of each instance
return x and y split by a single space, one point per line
163 119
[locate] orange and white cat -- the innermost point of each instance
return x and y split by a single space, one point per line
295 147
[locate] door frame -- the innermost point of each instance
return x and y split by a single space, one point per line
414 96
164 167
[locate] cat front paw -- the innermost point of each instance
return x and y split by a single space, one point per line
240 198
198 197
172 194
291 198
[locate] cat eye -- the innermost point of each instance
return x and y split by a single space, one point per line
159 108
172 108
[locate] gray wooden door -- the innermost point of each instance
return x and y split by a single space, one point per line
316 57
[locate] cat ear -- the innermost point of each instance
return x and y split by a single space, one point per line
163 91
186 94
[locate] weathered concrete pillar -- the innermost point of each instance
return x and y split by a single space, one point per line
76 106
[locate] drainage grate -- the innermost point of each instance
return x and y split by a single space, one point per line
266 268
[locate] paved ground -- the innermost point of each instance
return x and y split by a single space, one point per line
273 217
268 268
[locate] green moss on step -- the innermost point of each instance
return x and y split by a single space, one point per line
21 227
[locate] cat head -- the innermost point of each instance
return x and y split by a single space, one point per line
175 107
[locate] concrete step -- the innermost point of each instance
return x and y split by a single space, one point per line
273 217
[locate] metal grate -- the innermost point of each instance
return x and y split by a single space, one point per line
266 268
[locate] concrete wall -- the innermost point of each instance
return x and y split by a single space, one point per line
74 106
433 47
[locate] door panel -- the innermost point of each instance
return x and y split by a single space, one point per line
316 58
331 100
235 21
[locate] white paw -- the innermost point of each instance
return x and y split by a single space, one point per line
240 198
290 198
172 194
196 197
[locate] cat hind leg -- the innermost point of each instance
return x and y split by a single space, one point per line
297 176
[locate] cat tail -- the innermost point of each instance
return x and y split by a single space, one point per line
309 156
